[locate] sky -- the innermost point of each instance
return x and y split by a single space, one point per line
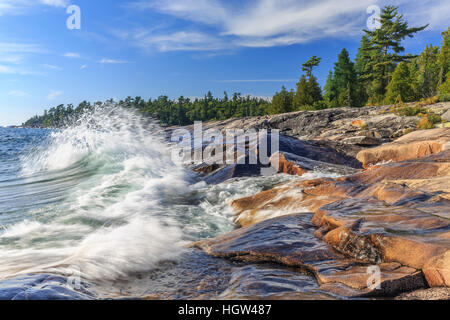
150 48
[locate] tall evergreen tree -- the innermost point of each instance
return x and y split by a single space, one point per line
445 87
400 87
310 64
444 57
413 67
282 102
386 50
363 56
328 89
342 89
362 68
308 88
308 92
428 74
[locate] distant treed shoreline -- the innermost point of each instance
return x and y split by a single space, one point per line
379 75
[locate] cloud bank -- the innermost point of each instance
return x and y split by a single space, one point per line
212 25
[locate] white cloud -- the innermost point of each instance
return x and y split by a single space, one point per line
6 69
13 70
12 6
51 66
15 47
268 23
261 23
84 66
419 13
72 55
204 11
55 3
13 54
17 93
179 41
111 61
24 6
54 94
14 59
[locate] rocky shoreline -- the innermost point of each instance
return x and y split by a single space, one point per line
389 210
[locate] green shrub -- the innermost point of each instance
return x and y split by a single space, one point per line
428 121
320 105
434 118
444 97
402 110
425 124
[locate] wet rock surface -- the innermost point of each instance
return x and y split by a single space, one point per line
381 232
297 165
426 294
272 282
290 241
200 276
292 156
393 216
393 213
44 287
411 146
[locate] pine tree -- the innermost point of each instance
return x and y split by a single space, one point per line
282 102
308 92
444 89
400 87
342 89
302 97
428 73
328 89
444 57
386 48
308 88
413 67
362 68
310 64
315 92
363 56
346 97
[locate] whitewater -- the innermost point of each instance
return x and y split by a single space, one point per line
103 200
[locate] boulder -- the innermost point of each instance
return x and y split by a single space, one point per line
290 241
297 165
362 141
411 146
288 164
295 157
446 116
397 212
346 131
426 294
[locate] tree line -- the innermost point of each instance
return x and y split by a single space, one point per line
380 74
182 111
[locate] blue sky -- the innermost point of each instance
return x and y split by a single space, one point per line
178 47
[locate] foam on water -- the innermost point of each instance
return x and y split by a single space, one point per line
103 199
108 223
